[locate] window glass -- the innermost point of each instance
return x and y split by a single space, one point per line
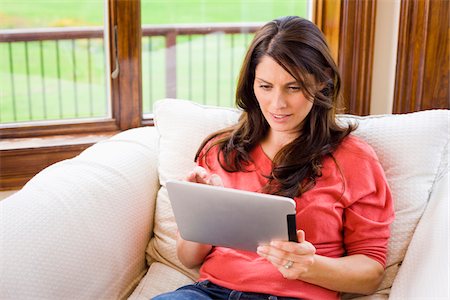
52 60
193 49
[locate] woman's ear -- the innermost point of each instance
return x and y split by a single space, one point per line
326 88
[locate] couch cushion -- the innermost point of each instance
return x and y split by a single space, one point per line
409 147
425 273
79 228
159 278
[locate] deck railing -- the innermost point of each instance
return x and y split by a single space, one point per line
59 73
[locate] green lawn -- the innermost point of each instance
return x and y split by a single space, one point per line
36 87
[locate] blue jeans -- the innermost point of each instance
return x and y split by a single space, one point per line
206 290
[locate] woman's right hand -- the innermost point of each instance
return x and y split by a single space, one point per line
200 175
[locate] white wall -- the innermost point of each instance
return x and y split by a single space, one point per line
385 56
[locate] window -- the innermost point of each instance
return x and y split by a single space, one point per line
26 148
194 49
54 94
53 67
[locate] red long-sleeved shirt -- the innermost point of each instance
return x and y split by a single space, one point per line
347 212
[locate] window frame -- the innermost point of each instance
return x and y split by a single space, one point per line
25 149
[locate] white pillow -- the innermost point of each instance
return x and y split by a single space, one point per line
409 147
182 126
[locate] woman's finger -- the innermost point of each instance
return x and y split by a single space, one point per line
275 255
198 175
215 179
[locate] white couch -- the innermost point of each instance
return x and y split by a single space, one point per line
99 226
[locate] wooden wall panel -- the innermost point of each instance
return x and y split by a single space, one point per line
349 26
356 46
422 76
327 16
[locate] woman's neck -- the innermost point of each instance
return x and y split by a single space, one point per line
273 143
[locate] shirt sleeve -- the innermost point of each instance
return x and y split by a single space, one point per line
205 159
368 217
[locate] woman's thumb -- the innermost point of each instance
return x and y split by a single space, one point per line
300 236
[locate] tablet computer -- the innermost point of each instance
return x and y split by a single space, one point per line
229 217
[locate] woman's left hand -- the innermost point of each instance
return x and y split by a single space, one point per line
290 258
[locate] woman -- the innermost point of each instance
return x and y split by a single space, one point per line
287 142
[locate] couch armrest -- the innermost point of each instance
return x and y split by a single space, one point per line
79 228
424 273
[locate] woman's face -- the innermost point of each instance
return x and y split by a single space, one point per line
280 99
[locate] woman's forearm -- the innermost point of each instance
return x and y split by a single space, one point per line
353 274
192 254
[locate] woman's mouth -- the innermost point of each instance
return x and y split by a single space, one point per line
280 117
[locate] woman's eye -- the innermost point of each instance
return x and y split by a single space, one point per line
294 88
265 87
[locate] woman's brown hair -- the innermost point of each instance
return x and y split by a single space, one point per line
300 48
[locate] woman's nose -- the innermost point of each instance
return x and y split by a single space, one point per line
279 100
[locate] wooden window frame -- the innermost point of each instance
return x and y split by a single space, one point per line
25 150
